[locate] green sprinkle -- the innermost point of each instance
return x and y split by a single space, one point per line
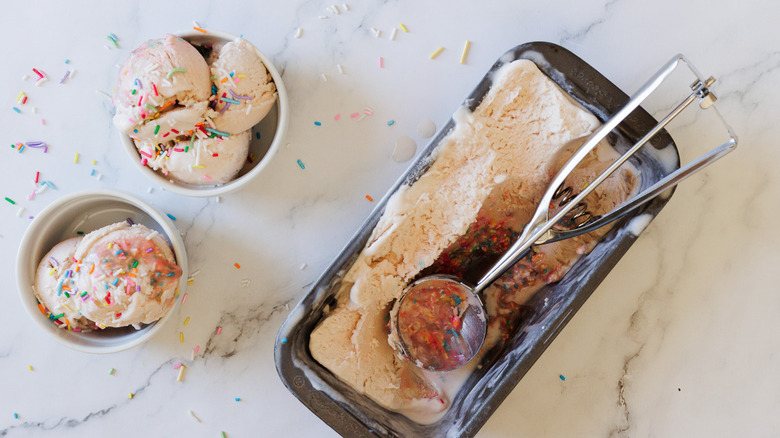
10 200
300 163
111 372
390 123
80 233
82 294
156 129
151 107
224 435
113 40
174 71
134 91
233 101
214 131
58 316
213 78
135 263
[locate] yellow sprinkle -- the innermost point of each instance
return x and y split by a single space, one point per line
181 337
436 52
21 94
199 166
186 320
181 374
53 270
29 367
242 76
403 28
190 281
93 162
67 308
465 52
110 245
76 158
130 395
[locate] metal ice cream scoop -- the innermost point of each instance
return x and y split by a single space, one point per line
440 322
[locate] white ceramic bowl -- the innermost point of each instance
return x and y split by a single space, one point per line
272 129
88 211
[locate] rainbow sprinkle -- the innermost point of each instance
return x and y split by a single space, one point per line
174 71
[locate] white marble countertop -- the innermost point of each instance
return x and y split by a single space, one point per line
679 340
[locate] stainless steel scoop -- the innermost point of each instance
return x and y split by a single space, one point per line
440 322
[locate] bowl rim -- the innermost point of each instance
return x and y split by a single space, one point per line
280 134
24 282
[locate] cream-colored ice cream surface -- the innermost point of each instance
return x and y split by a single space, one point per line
52 274
209 160
160 74
488 173
129 273
242 77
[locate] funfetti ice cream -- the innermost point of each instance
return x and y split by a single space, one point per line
162 75
54 289
486 179
170 98
209 160
245 89
119 275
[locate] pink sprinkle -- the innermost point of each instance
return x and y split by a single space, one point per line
219 330
141 99
178 149
155 89
338 116
143 162
132 121
381 62
353 115
369 112
197 348
146 154
43 121
177 366
207 177
149 250
32 196
184 299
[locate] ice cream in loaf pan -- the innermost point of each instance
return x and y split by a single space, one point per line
485 181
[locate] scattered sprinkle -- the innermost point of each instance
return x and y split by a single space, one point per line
341 68
436 52
113 38
337 116
199 29
16 416
391 123
111 371
284 340
381 62
317 123
174 71
300 163
192 414
184 298
173 218
177 366
223 434
130 395
345 6
561 377
465 52
17 109
10 200
237 265
181 337
30 367
299 33
403 28
76 158
324 77
219 330
393 33
303 266
238 399
180 377
370 198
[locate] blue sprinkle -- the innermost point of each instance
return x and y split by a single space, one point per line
222 133
135 131
284 341
17 110
67 61
237 399
390 123
232 73
318 123
562 378
115 282
16 416
257 135
92 173
173 218
300 163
